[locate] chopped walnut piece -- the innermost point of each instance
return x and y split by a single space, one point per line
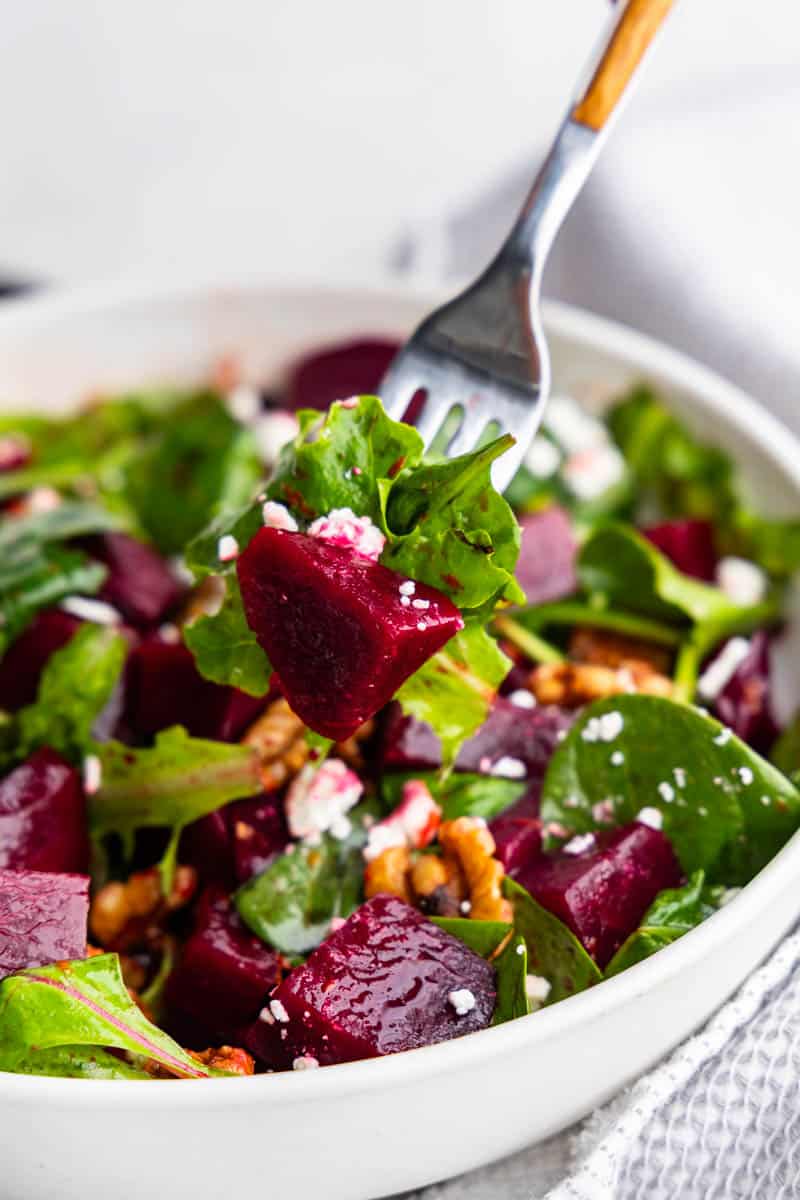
350 750
574 684
226 1058
279 737
467 840
438 885
124 914
606 648
388 873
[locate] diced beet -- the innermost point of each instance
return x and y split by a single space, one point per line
689 545
43 918
546 564
379 984
745 703
140 584
517 833
223 977
164 687
258 833
206 846
333 626
15 452
337 372
43 816
603 892
22 664
529 735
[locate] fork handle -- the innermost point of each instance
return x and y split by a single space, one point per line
634 32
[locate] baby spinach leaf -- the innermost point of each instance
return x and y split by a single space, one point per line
724 808
291 905
225 648
509 961
337 459
78 1062
176 781
673 912
553 950
454 690
450 529
81 1003
785 754
461 794
484 937
75 686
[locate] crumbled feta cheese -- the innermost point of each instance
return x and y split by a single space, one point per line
520 949
92 774
169 632
277 516
42 500
408 587
462 1001
593 471
86 609
278 1011
305 1062
341 828
742 581
336 924
721 669
617 758
421 604
723 737
421 626
667 792
650 816
580 843
522 698
507 767
537 988
766 801
603 729
341 527
319 796
413 822
227 548
572 426
243 402
746 775
680 776
603 810
404 600
272 430
543 458
465 908
350 402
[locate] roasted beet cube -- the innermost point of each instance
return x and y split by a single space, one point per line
164 687
223 977
22 665
745 702
43 816
527 736
603 892
42 918
546 564
206 845
333 624
387 980
337 372
140 584
258 833
689 545
517 833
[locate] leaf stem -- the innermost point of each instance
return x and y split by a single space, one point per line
576 612
535 647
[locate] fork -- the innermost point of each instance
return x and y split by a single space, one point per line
481 360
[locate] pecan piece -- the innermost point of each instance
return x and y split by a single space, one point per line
124 915
572 685
389 872
606 648
279 737
467 840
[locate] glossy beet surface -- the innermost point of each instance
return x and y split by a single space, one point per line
688 544
43 816
22 664
349 369
334 627
140 583
602 893
42 918
517 833
164 687
529 735
546 564
745 703
223 977
377 985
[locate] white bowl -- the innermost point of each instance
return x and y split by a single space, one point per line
372 1128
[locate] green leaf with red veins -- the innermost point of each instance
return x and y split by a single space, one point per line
81 1003
455 689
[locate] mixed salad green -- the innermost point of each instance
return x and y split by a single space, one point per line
313 747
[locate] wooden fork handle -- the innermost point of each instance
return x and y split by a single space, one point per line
635 30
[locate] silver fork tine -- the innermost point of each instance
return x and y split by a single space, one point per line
486 349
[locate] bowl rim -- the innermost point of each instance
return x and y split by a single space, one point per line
715 395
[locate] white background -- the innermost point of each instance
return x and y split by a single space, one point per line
282 137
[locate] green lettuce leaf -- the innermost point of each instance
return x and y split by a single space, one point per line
454 690
723 807
81 1003
553 950
78 1062
225 648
